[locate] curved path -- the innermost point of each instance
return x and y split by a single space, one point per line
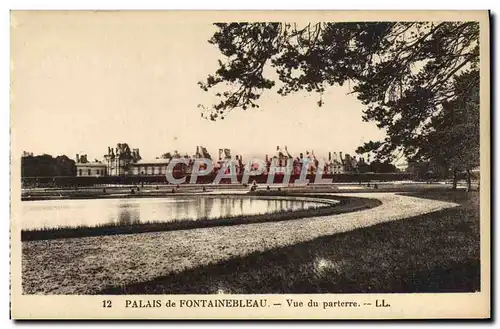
88 265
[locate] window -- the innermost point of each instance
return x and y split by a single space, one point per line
79 172
89 172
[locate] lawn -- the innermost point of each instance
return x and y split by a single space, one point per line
435 252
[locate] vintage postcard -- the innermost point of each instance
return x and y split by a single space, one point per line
250 165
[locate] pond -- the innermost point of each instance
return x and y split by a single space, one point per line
95 212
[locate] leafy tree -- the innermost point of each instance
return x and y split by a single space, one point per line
166 155
47 166
405 73
378 166
451 138
65 166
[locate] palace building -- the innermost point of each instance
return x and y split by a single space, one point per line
86 168
156 166
120 159
125 161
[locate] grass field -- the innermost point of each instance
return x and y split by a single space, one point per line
434 252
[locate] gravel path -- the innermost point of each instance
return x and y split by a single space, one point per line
87 265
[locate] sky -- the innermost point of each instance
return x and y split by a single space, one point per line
83 81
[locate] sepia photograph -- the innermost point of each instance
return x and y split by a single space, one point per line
250 164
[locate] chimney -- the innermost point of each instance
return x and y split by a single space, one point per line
197 150
329 156
267 158
77 158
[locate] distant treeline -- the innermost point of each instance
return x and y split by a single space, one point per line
377 167
47 166
150 179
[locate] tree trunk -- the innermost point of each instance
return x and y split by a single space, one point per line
455 179
469 181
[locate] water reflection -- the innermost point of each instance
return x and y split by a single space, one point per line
57 213
127 215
